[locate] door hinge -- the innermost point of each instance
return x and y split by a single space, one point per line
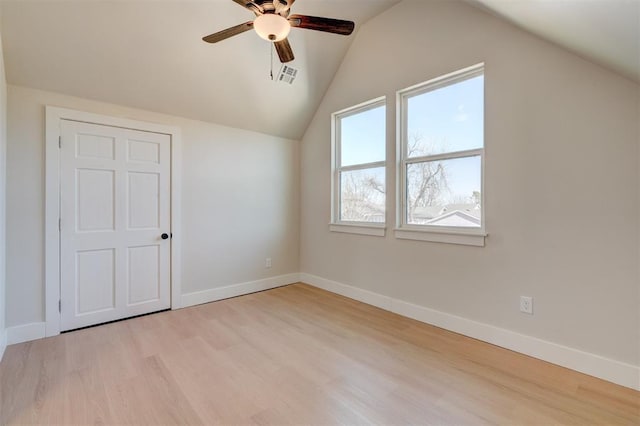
59 141
59 305
59 224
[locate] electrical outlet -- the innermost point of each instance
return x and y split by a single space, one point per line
526 305
267 263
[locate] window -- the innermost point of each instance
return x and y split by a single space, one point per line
441 149
359 153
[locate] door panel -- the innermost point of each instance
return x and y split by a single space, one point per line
114 206
144 276
143 200
95 200
95 146
144 152
95 281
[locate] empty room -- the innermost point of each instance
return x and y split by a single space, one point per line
319 212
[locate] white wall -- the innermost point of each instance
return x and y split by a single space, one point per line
562 188
239 201
3 168
561 183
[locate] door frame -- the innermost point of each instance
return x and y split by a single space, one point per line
53 117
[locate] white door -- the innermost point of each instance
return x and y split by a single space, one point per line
114 210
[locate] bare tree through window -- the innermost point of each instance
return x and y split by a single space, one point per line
442 150
426 181
363 195
359 171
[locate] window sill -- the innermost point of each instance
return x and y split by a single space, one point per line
468 238
373 230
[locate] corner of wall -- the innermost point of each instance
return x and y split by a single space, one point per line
3 342
3 169
638 271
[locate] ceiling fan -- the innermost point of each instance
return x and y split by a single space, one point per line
273 23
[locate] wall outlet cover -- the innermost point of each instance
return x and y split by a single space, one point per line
526 305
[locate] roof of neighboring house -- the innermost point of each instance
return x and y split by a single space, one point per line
428 212
456 218
470 209
432 212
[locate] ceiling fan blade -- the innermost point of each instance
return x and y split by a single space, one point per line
229 32
285 53
328 25
283 6
251 5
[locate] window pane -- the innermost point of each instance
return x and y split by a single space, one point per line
362 195
363 137
445 193
447 119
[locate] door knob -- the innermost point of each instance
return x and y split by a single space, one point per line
164 236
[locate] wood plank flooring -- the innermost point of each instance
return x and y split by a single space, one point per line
293 355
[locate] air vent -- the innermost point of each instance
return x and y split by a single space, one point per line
287 74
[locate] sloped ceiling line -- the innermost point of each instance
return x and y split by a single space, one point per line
149 55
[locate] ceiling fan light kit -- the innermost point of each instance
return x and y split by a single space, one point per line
273 24
272 27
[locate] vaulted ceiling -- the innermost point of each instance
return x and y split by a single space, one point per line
604 31
149 54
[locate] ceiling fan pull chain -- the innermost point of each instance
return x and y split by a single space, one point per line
271 60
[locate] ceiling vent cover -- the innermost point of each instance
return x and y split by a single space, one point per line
287 74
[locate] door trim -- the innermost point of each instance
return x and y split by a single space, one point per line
53 116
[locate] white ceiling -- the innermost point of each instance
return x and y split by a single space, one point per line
149 54
604 31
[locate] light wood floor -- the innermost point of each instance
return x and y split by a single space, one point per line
294 355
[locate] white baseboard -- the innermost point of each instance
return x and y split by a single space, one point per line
25 333
211 295
594 365
604 368
37 330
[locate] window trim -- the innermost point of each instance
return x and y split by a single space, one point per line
353 227
474 236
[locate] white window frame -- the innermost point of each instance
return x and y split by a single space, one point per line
474 236
352 227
